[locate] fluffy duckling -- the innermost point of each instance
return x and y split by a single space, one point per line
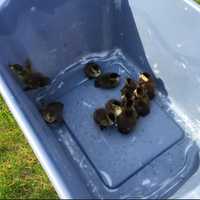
103 118
146 81
141 102
126 121
92 70
114 106
53 112
31 79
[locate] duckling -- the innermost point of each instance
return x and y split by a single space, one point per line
127 92
127 95
146 81
130 85
92 70
35 81
126 121
53 112
141 102
128 104
108 81
103 118
114 106
22 71
142 108
31 79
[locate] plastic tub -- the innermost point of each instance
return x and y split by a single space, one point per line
124 37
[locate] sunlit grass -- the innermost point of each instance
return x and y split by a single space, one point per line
198 1
21 176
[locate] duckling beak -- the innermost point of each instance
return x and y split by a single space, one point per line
50 118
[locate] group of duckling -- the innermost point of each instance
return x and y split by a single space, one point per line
135 99
52 112
123 114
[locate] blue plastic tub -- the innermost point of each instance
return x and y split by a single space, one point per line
126 37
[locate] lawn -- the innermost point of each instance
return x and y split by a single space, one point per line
21 176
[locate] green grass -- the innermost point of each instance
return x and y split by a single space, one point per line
198 1
21 176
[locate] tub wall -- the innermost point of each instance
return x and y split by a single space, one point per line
54 36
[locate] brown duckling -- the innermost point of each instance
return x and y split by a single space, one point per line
35 81
127 120
22 71
53 112
127 92
31 79
103 118
127 95
146 81
92 70
108 81
130 85
128 104
114 106
141 102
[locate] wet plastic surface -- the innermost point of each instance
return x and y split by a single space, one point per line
83 162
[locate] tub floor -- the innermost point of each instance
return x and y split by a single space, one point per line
114 157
